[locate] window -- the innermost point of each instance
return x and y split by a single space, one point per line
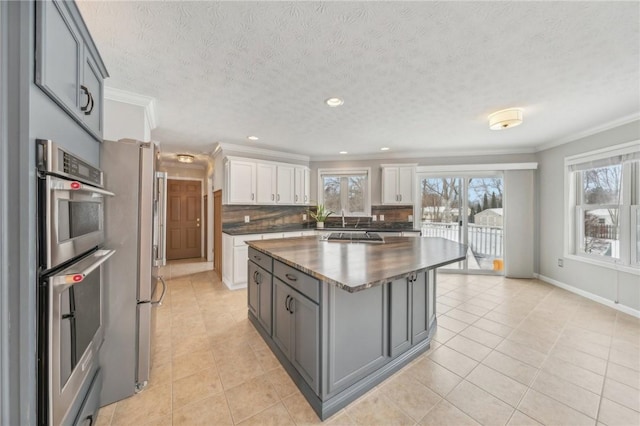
604 193
345 190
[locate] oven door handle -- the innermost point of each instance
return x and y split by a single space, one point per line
76 273
74 185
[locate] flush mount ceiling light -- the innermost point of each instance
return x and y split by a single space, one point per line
343 152
252 138
385 148
334 102
505 119
185 158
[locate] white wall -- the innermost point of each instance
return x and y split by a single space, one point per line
125 121
597 280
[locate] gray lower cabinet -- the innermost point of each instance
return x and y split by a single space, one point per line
411 310
68 66
296 331
259 291
399 316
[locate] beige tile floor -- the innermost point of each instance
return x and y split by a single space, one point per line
516 352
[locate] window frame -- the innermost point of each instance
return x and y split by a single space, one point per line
575 207
335 172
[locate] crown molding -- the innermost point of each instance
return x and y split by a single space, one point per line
228 148
412 155
147 102
592 131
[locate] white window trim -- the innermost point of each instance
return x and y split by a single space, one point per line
572 210
350 171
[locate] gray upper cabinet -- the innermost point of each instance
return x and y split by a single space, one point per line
68 66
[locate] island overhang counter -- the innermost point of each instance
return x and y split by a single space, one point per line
341 317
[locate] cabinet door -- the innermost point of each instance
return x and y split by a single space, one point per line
93 81
240 255
265 287
306 338
59 55
307 186
241 182
431 296
281 316
299 184
266 183
390 185
285 185
419 297
399 316
253 289
405 185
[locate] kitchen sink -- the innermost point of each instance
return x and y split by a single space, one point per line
360 237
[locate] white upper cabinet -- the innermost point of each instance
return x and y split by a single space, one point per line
241 182
251 181
398 184
302 185
285 184
266 183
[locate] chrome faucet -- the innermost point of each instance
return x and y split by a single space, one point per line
343 218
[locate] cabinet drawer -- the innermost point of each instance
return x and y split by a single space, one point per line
302 282
261 259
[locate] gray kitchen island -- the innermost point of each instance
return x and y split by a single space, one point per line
343 316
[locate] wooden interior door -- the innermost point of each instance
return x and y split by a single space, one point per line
217 232
184 232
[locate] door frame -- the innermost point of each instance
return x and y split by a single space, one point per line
202 193
464 177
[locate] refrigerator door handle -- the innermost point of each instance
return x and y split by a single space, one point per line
164 291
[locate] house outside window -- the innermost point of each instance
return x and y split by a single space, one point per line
347 191
603 191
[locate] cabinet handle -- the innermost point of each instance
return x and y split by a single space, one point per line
86 92
290 305
272 197
252 196
291 277
92 105
258 278
400 197
278 197
258 258
255 280
286 303
296 199
305 198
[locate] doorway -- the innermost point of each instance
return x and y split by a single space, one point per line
468 210
184 233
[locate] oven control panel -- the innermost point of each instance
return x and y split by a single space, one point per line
73 166
51 158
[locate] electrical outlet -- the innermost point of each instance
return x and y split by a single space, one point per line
561 263
410 219
247 219
381 217
304 217
374 218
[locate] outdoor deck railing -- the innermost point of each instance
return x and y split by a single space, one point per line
484 241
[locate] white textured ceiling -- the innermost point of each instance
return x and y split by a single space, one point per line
418 77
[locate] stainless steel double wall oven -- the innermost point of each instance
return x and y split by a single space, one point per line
70 285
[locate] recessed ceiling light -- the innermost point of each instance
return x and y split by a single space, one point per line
185 158
334 102
252 138
343 152
384 148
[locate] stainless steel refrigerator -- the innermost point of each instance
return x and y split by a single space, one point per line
134 226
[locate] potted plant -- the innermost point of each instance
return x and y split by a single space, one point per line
320 215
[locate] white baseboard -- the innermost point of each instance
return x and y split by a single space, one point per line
234 287
590 296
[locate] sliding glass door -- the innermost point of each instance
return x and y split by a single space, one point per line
466 209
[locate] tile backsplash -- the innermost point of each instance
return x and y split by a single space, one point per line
265 218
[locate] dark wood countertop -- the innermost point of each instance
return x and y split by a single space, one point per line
358 266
